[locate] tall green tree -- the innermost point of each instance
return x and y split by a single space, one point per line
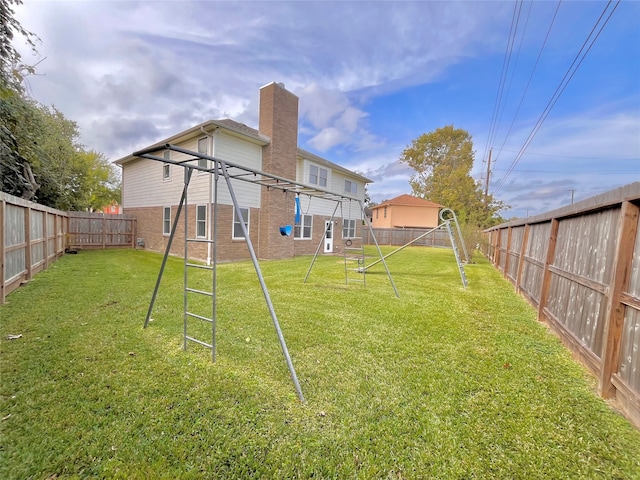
442 161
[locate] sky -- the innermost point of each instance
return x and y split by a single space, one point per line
551 90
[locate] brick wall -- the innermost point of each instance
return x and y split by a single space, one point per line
150 230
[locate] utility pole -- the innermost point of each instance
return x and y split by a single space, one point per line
486 184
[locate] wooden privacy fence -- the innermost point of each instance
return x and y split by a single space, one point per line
99 230
402 236
580 267
32 236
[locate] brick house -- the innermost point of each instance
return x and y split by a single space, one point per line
151 190
406 211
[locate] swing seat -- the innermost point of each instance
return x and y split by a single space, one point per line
286 230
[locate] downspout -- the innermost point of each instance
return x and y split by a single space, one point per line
210 204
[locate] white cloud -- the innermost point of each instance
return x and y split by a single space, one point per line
133 59
130 71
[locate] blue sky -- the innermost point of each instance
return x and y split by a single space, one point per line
371 77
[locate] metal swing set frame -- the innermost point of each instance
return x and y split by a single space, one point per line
230 171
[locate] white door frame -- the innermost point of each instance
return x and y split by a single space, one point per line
328 236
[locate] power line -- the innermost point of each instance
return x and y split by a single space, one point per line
578 157
513 72
503 75
526 89
623 172
561 87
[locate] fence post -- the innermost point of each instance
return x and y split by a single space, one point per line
104 231
496 260
45 234
507 253
614 318
523 250
2 234
27 238
546 273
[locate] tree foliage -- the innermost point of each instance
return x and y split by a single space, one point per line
12 69
442 161
41 158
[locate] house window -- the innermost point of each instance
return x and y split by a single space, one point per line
323 177
203 147
302 229
166 168
377 212
237 226
385 212
318 176
350 187
348 228
201 221
166 221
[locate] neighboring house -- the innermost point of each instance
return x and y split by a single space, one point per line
113 208
151 190
406 211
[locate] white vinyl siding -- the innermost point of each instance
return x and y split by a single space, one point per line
235 150
201 221
237 226
166 221
140 191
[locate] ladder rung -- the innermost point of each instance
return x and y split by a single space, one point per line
209 294
359 259
195 315
353 248
353 238
359 270
196 265
199 240
204 344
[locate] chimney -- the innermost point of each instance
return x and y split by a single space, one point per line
279 121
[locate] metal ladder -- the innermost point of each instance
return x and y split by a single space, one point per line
205 290
354 261
454 243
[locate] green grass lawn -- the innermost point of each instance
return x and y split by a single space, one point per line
443 382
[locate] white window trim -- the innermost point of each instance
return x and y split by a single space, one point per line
302 227
319 176
233 226
198 221
353 186
351 226
164 221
